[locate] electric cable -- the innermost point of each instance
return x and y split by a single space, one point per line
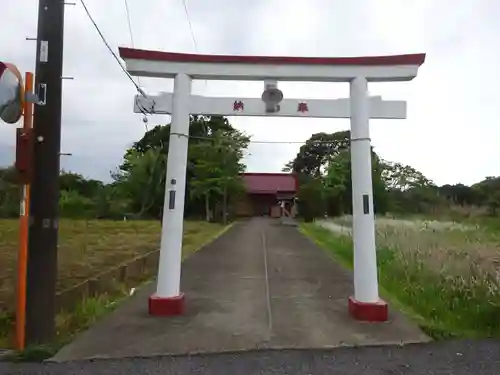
89 15
258 142
195 44
127 10
129 21
190 25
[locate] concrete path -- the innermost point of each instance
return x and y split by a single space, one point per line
261 285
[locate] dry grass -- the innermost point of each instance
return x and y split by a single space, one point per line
440 244
451 248
89 247
448 273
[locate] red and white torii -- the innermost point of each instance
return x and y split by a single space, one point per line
359 107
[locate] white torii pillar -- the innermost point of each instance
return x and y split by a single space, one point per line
168 299
365 304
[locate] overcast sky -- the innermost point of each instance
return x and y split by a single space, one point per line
452 133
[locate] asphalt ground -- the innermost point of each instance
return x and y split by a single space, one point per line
454 358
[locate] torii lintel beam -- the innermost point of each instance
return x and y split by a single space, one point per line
311 108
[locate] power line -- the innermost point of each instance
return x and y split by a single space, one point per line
252 142
257 142
129 23
190 25
129 20
110 49
184 2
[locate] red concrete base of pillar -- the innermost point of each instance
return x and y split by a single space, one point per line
368 311
160 306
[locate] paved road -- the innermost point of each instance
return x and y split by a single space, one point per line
453 358
261 285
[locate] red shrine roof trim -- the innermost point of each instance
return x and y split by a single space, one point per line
270 183
140 54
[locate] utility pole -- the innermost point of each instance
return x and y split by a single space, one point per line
43 228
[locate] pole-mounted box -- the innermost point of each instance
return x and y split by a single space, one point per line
24 155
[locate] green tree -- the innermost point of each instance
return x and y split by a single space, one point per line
409 190
327 157
314 155
216 172
494 203
485 189
72 204
311 199
402 177
201 129
69 181
337 181
110 204
458 194
10 193
142 183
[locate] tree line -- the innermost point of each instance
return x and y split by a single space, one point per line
213 182
324 170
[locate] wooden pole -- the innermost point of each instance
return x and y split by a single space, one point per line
44 194
22 260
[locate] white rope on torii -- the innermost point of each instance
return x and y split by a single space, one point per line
359 107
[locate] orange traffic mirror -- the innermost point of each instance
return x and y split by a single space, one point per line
11 93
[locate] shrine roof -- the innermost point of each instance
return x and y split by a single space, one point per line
270 183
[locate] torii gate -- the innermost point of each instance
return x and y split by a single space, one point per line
358 71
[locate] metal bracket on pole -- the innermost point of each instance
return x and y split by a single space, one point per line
31 97
41 94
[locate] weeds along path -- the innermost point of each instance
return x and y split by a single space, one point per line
447 273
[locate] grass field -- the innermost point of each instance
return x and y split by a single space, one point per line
445 274
89 247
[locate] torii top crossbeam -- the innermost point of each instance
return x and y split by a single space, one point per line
258 68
